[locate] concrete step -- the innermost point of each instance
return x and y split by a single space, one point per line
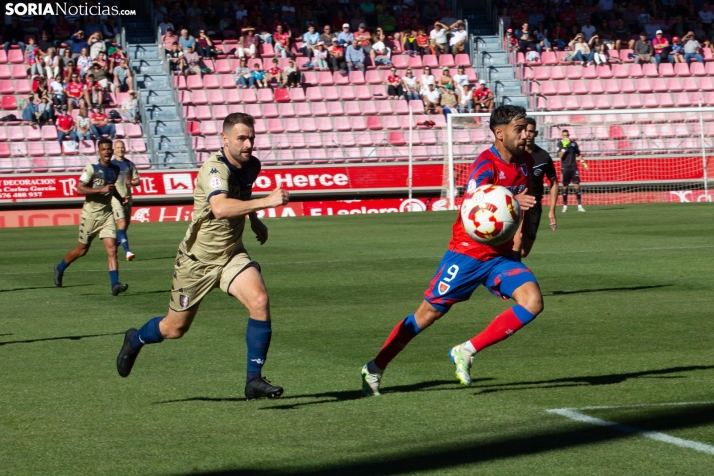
506 87
140 37
161 112
152 81
174 160
514 100
157 98
494 58
143 51
166 127
149 69
170 143
496 73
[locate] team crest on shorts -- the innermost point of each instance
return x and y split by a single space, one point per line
184 301
443 288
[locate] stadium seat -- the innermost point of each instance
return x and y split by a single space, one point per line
266 95
248 96
22 86
446 60
681 99
15 133
373 77
643 85
356 77
224 66
603 71
32 133
15 56
557 73
215 96
199 97
309 78
680 69
7 87
86 147
210 81
227 81
363 93
384 108
5 71
635 71
53 148
8 103
283 95
620 71
346 93
339 79
659 85
324 78
667 70
696 69
35 149
269 110
305 110
650 70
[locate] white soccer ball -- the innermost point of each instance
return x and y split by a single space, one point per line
490 214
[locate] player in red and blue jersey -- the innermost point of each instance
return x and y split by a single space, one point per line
468 264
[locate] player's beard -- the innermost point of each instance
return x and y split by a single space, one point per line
239 156
515 147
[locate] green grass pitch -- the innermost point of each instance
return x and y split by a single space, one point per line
629 292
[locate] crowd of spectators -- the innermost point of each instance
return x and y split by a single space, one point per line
656 31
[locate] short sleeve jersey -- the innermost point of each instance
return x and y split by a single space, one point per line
569 159
127 172
481 94
490 168
209 239
97 176
542 167
74 90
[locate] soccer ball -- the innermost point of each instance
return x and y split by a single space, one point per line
490 214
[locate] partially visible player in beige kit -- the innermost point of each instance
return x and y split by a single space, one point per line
212 255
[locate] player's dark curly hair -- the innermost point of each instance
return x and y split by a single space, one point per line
531 120
237 118
104 140
503 115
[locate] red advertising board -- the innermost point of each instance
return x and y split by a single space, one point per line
172 213
178 184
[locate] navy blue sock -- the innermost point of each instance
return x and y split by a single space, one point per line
114 277
148 334
62 266
257 337
122 238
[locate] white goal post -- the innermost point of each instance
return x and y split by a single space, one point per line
631 155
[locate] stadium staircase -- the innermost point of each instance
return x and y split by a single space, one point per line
165 129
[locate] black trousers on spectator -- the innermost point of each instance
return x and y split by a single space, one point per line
410 46
392 91
294 77
337 63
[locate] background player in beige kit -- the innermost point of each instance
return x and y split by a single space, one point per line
212 255
128 178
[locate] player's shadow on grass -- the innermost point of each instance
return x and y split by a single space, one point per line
41 287
600 290
480 449
609 379
331 397
45 339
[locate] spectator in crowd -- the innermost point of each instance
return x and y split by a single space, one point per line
115 58
165 26
244 78
622 37
319 61
62 31
526 41
439 41
100 125
275 74
29 110
345 37
52 63
93 91
101 60
83 125
448 99
204 44
248 43
186 40
31 59
459 35
379 48
432 99
581 50
644 52
281 41
394 84
364 38
196 25
43 45
559 36
445 78
599 50
588 30
354 57
461 79
327 35
409 43
430 12
660 44
483 97
175 58
652 27
336 56
123 79
191 61
101 76
84 62
169 39
59 97
425 80
705 15
292 76
130 108
388 23
676 54
259 76
310 39
466 99
96 44
13 34
692 48
65 126
423 43
410 87
369 10
75 93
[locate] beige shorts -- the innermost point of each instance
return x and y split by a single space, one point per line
90 226
121 212
193 279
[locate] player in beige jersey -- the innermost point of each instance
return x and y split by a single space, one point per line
98 185
212 255
128 178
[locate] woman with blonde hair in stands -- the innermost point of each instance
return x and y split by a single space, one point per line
96 44
84 62
445 78
52 63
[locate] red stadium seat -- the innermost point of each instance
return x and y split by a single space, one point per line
8 103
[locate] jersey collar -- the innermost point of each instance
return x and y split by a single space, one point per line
495 152
232 168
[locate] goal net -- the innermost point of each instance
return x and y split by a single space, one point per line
630 156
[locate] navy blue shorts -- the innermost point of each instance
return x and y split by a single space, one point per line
458 276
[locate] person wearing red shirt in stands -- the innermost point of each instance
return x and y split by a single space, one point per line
115 58
483 97
281 41
93 92
65 126
394 85
422 40
99 124
75 92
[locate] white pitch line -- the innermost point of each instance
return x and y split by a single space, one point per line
652 435
420 257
